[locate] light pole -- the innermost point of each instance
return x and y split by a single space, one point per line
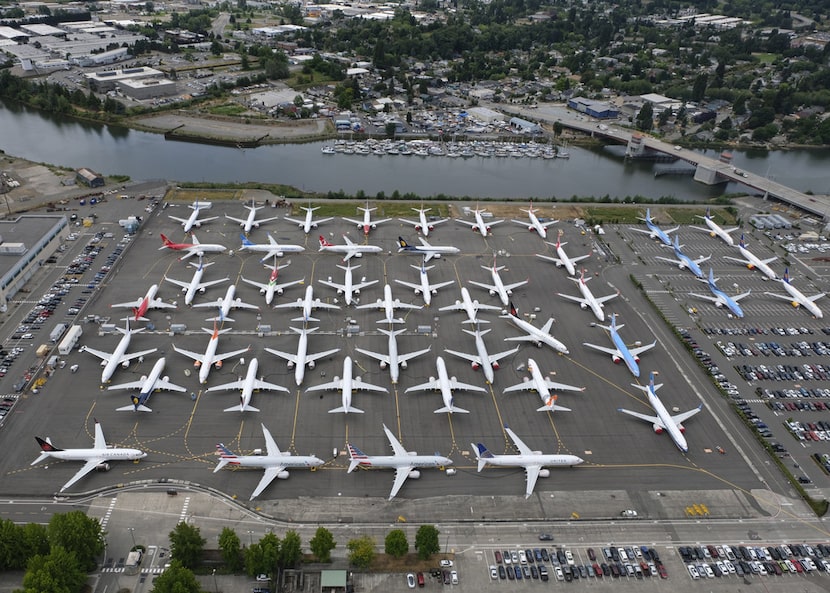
132 534
251 537
215 586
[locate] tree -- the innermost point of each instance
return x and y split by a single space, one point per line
396 543
361 551
291 550
645 118
176 579
263 556
76 532
231 549
699 88
186 544
322 544
57 572
426 541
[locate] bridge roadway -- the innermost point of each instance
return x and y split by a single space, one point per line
815 205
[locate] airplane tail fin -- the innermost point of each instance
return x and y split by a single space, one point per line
242 408
742 242
245 241
137 405
226 456
165 242
451 409
513 310
355 457
787 275
482 455
346 410
324 243
402 244
550 406
47 447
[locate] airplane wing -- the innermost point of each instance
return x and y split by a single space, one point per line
813 299
321 220
454 384
358 383
555 260
406 357
609 351
260 285
705 297
379 356
298 304
473 358
237 304
130 385
331 284
167 385
128 357
401 474
434 384
784 297
482 285
331 385
671 260
228 386
532 474
294 220
239 220
88 467
702 259
575 299
605 299
318 304
104 356
213 304
644 417
362 285
510 287
411 285
197 356
400 305
579 258
441 285
128 304
267 478
520 444
284 355
470 224
313 357
561 386
678 418
412 222
376 305
177 219
199 221
218 357
179 283
641 349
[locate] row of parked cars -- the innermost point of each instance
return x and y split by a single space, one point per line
761 331
723 561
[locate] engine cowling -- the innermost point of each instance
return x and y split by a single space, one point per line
657 429
531 229
283 475
495 366
102 467
125 364
197 363
414 474
681 428
311 364
616 359
475 366
279 291
544 473
492 293
290 364
218 364
383 365
404 364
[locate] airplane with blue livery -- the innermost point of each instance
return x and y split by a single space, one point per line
720 298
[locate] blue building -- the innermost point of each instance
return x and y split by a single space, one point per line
597 109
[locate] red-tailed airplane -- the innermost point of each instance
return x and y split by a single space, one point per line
148 301
191 249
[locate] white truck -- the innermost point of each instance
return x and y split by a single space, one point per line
70 339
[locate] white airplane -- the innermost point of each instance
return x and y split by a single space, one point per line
588 300
424 288
402 461
346 386
307 304
146 386
302 358
270 249
225 305
797 298
205 361
422 225
479 226
308 222
534 462
716 230
753 262
535 335
535 225
247 385
195 285
470 307
445 384
393 360
388 305
425 249
654 231
119 356
275 462
142 305
563 259
349 250
631 356
94 458
193 220
250 222
348 289
663 421
720 298
367 223
191 249
481 359
498 287
272 288
684 261
542 385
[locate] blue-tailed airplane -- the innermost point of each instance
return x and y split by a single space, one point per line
621 352
654 231
752 261
720 298
715 230
684 261
798 298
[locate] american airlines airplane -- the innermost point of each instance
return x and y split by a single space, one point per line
563 260
470 307
272 287
535 225
94 458
308 222
346 386
425 249
388 305
716 230
479 226
349 250
225 305
393 360
145 303
720 298
195 285
620 351
302 358
481 359
247 385
405 463
307 304
250 222
276 463
535 334
367 224
588 300
270 249
445 384
205 361
797 298
146 386
498 287
683 261
654 231
193 220
422 225
534 462
119 356
542 385
424 288
348 289
752 261
663 421
191 249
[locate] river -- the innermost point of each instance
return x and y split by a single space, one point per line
45 138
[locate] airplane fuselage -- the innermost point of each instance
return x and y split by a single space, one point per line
207 360
302 352
108 454
717 231
444 382
591 302
348 285
664 416
726 300
115 360
688 263
536 225
538 335
425 289
394 364
394 462
800 300
285 460
539 384
754 262
150 382
193 288
625 353
658 233
534 460
486 367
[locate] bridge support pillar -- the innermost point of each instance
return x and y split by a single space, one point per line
707 176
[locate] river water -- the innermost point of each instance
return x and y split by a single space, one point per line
587 173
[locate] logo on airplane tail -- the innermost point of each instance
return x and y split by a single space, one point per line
47 446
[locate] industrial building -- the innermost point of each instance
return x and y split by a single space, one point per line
108 80
597 109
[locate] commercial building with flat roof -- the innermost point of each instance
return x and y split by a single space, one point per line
108 80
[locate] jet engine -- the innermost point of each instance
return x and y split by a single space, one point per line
492 293
311 364
218 364
616 359
495 366
283 475
414 474
403 364
197 363
102 467
658 429
530 228
544 473
475 366
291 364
681 428
125 364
